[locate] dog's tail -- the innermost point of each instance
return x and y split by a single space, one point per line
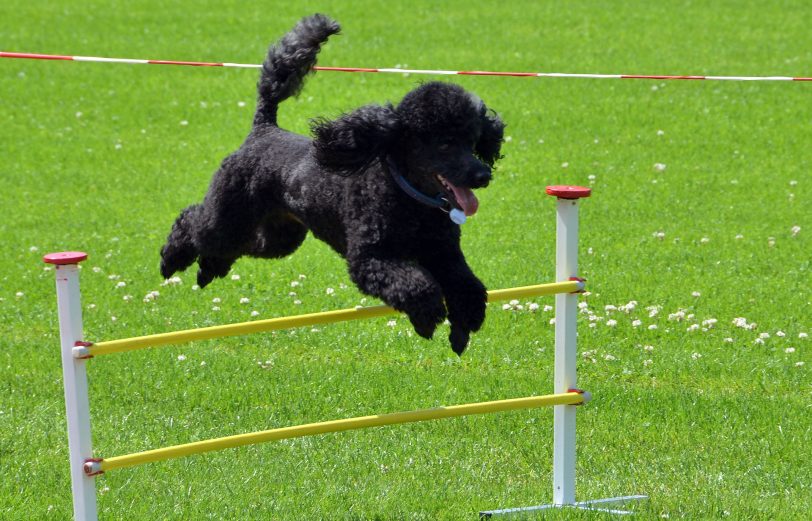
288 62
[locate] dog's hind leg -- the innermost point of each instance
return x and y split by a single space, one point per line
179 252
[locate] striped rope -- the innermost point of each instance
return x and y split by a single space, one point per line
33 56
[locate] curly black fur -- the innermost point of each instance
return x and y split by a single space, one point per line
278 185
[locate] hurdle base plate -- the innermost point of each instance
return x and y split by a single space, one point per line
595 505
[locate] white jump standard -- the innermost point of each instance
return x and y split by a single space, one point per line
76 353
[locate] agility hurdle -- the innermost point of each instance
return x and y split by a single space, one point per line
76 352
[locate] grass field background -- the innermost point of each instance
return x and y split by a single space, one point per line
700 218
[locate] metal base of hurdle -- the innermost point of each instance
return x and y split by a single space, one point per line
595 505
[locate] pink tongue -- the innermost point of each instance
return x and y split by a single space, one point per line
466 199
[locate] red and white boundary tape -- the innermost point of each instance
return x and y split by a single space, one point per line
31 56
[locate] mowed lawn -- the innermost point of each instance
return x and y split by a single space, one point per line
693 337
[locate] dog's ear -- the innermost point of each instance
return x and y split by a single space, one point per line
490 140
351 142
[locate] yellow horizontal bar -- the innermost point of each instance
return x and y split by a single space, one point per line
177 451
272 324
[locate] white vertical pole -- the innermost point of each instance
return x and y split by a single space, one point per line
77 405
566 311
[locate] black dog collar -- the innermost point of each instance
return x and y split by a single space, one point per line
439 202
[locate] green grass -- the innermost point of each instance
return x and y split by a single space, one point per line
95 158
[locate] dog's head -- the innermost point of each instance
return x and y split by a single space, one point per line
444 139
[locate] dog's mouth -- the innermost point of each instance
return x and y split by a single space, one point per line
460 196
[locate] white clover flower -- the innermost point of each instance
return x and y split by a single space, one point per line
255 313
297 302
659 235
215 308
181 358
216 300
799 364
789 350
172 281
758 341
513 303
739 236
741 322
727 340
96 269
121 284
235 277
795 230
696 294
652 327
183 123
770 241
661 132
245 300
611 323
609 308
505 307
637 323
582 305
302 276
552 321
292 294
653 311
696 356
609 357
802 335
533 307
547 307
704 240
329 291
593 324
565 165
127 298
113 318
693 327
679 316
780 334
294 283
113 277
647 363
203 363
659 167
195 287
648 348
392 323
240 103
709 323
764 335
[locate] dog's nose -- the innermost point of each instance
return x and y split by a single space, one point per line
482 178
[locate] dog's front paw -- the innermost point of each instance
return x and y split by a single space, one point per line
459 337
426 318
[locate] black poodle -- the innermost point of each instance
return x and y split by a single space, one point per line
387 187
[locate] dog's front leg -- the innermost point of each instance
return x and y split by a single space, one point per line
465 295
405 286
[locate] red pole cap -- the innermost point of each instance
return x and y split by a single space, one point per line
65 257
569 192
